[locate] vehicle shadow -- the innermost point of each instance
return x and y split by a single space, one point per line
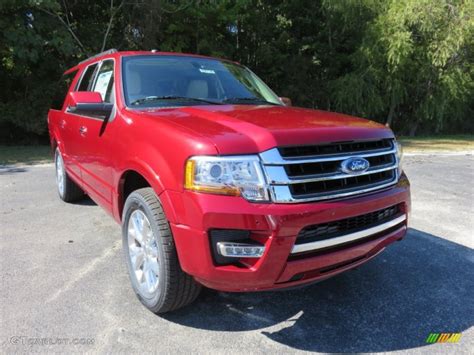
419 286
86 201
21 167
8 170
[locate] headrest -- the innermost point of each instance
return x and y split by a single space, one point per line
134 83
197 89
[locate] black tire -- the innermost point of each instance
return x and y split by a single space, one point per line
175 288
68 191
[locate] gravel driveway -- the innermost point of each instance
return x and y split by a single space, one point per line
64 285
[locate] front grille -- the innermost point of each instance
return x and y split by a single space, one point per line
311 173
346 226
328 167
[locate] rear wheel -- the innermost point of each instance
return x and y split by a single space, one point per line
150 253
67 189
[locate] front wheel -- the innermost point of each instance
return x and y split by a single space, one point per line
150 253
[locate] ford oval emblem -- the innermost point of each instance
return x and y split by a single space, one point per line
355 166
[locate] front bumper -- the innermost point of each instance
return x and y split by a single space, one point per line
276 225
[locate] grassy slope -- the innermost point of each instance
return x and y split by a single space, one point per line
42 153
25 154
438 144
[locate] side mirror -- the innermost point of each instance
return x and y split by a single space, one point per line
89 103
285 100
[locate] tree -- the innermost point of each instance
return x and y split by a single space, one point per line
39 40
407 63
413 65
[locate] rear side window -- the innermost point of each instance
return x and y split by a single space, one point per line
86 81
105 81
61 90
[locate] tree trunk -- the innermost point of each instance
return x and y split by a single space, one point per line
113 11
391 112
330 37
413 128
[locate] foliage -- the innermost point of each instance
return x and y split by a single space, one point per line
414 64
408 63
28 154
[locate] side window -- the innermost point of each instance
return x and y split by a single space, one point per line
86 80
61 90
105 81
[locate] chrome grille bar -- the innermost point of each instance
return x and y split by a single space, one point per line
282 194
322 244
322 177
273 157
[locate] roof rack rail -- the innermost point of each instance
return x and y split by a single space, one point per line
109 51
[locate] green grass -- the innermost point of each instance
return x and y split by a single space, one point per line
453 143
17 154
37 154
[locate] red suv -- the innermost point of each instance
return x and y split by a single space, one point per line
217 181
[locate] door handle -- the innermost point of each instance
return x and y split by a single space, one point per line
62 123
82 130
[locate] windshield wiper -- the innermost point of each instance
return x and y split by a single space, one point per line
247 99
173 97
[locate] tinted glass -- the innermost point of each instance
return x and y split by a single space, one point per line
158 80
61 90
105 80
86 80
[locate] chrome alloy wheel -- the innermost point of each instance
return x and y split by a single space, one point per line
60 173
143 252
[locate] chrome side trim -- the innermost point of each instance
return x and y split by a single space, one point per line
273 157
298 248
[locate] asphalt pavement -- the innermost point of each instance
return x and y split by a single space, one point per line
64 286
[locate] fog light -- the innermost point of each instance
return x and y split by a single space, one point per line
240 250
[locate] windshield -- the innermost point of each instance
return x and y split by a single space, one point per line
164 81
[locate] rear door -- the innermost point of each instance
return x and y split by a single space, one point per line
58 123
71 125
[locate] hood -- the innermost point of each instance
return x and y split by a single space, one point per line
242 129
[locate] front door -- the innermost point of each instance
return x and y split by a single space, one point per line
95 137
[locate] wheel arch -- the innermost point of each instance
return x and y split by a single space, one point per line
136 178
54 144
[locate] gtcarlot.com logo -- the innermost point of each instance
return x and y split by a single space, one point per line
31 341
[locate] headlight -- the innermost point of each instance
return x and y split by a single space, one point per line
399 156
235 176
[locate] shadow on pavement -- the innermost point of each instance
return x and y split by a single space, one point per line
7 170
86 201
419 286
20 167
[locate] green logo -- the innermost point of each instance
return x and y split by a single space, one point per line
443 337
